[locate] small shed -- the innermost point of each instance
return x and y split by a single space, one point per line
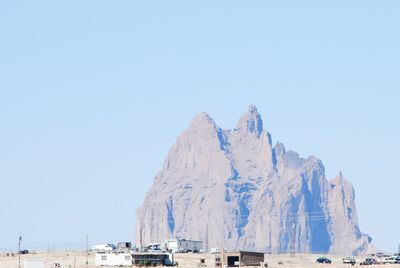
242 258
124 247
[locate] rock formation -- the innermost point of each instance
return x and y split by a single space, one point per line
233 189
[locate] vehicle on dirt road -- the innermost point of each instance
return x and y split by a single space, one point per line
369 261
323 260
349 260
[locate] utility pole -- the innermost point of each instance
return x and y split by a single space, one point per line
141 239
293 241
19 250
87 249
223 258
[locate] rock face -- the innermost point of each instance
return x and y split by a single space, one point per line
233 189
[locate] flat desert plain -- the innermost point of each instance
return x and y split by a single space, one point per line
71 259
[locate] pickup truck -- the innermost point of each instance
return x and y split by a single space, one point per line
349 260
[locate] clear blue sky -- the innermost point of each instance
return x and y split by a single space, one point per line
94 93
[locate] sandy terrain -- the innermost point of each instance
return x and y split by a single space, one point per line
78 260
66 259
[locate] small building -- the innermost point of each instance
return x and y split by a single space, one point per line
113 259
240 258
182 245
124 246
152 258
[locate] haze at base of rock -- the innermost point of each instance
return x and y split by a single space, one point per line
233 189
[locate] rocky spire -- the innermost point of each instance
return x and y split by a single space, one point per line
203 120
254 189
251 122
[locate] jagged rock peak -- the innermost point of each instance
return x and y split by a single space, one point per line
280 147
202 117
339 178
251 122
252 187
203 121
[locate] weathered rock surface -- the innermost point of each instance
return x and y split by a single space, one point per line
233 189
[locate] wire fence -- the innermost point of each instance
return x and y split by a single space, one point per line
33 246
53 246
45 247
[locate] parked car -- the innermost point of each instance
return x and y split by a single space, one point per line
369 261
391 260
349 260
24 251
323 260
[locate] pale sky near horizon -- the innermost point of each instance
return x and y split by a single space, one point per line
94 93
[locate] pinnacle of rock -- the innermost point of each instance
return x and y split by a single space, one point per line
233 189
251 121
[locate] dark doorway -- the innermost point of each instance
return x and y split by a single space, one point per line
232 260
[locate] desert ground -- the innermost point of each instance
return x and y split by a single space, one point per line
70 259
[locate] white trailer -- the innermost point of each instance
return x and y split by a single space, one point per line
103 247
33 264
113 259
183 245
